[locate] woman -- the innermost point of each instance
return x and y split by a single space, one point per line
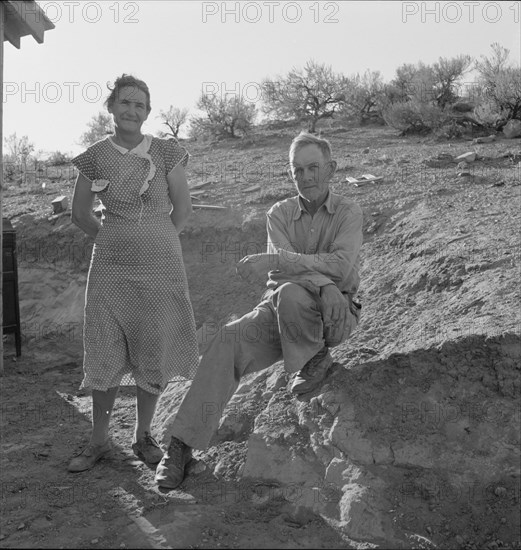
139 325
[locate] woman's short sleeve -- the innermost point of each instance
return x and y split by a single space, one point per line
85 164
174 154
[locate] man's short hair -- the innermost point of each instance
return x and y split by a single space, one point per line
305 138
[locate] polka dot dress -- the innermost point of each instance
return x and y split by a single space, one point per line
139 326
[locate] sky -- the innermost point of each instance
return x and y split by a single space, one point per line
181 48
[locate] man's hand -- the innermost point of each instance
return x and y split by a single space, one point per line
334 308
256 266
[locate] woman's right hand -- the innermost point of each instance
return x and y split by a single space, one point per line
82 202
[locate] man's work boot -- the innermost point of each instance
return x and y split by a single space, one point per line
170 472
311 376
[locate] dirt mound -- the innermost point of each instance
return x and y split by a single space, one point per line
413 441
389 451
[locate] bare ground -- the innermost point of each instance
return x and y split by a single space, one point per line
440 270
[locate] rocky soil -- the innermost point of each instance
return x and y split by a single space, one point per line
412 442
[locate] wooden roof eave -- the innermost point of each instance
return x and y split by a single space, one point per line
23 18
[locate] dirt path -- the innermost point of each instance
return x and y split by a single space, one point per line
45 419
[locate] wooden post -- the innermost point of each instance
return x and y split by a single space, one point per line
24 17
1 181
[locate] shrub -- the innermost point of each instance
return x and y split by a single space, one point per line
450 130
488 113
99 127
404 117
225 117
416 117
501 87
432 116
57 158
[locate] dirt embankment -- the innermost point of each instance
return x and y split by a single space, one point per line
412 442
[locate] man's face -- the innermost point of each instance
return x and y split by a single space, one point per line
311 173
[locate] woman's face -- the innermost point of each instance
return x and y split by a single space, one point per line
129 109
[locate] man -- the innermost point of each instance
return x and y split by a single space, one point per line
312 264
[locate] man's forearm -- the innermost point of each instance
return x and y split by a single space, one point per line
330 266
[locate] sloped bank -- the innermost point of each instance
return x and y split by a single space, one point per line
54 256
400 451
213 242
403 451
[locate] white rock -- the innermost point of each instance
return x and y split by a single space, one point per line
467 157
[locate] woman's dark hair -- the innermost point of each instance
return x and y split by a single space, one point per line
123 81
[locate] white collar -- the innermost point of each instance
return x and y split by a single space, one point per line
140 149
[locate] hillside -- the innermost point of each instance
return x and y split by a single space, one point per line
412 442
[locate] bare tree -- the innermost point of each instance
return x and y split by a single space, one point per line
447 75
507 92
18 149
18 152
224 116
309 94
173 119
489 67
414 82
99 127
364 96
500 84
